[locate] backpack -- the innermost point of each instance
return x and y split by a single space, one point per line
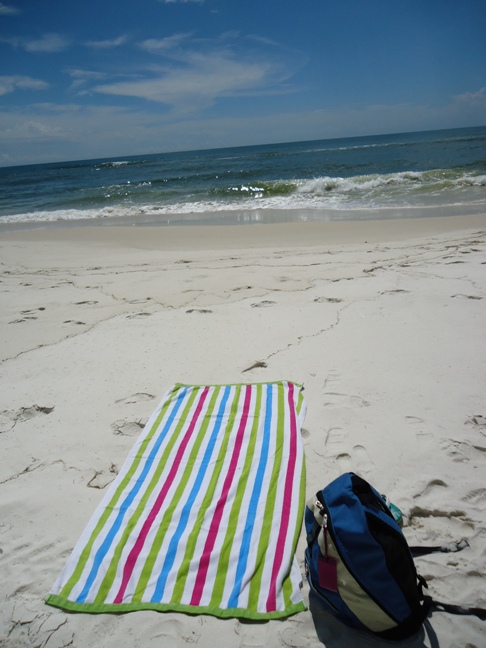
360 566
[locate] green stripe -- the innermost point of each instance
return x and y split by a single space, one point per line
268 514
225 554
242 613
300 399
206 503
83 558
180 491
139 511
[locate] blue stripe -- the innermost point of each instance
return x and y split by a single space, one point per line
105 546
253 505
185 513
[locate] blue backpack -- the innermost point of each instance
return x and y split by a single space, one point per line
359 565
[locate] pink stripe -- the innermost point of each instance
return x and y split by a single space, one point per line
287 499
218 513
138 546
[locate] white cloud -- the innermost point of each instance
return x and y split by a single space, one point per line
200 79
7 10
472 97
107 44
47 43
164 45
81 77
196 87
18 82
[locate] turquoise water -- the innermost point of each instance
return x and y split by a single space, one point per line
386 176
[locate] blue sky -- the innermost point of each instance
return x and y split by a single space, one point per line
125 77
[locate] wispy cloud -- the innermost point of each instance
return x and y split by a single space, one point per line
196 73
47 43
198 82
164 45
81 77
472 97
7 10
107 44
12 83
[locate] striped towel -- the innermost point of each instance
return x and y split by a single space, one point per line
205 514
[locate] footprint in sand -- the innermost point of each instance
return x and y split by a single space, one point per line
138 315
330 300
461 296
297 635
263 304
9 418
337 399
358 461
335 436
25 413
344 462
23 319
128 428
135 398
439 523
425 439
204 311
476 496
362 459
478 422
463 452
33 310
102 478
138 301
169 633
332 380
434 512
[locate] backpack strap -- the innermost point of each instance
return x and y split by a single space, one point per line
448 548
459 609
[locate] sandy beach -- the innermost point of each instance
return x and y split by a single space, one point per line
383 322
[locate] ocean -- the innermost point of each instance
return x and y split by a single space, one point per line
408 175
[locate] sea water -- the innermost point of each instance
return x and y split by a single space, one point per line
387 176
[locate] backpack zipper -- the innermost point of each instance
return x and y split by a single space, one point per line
325 518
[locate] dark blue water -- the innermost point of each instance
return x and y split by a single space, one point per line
383 176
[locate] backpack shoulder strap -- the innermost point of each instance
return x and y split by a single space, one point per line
458 609
447 548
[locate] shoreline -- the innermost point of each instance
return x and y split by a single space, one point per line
217 237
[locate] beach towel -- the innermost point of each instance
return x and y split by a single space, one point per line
205 514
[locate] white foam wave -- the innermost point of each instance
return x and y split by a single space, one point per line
403 190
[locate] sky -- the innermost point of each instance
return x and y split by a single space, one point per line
113 78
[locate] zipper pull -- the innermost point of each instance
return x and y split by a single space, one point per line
324 528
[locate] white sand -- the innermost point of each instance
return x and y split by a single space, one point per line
387 336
